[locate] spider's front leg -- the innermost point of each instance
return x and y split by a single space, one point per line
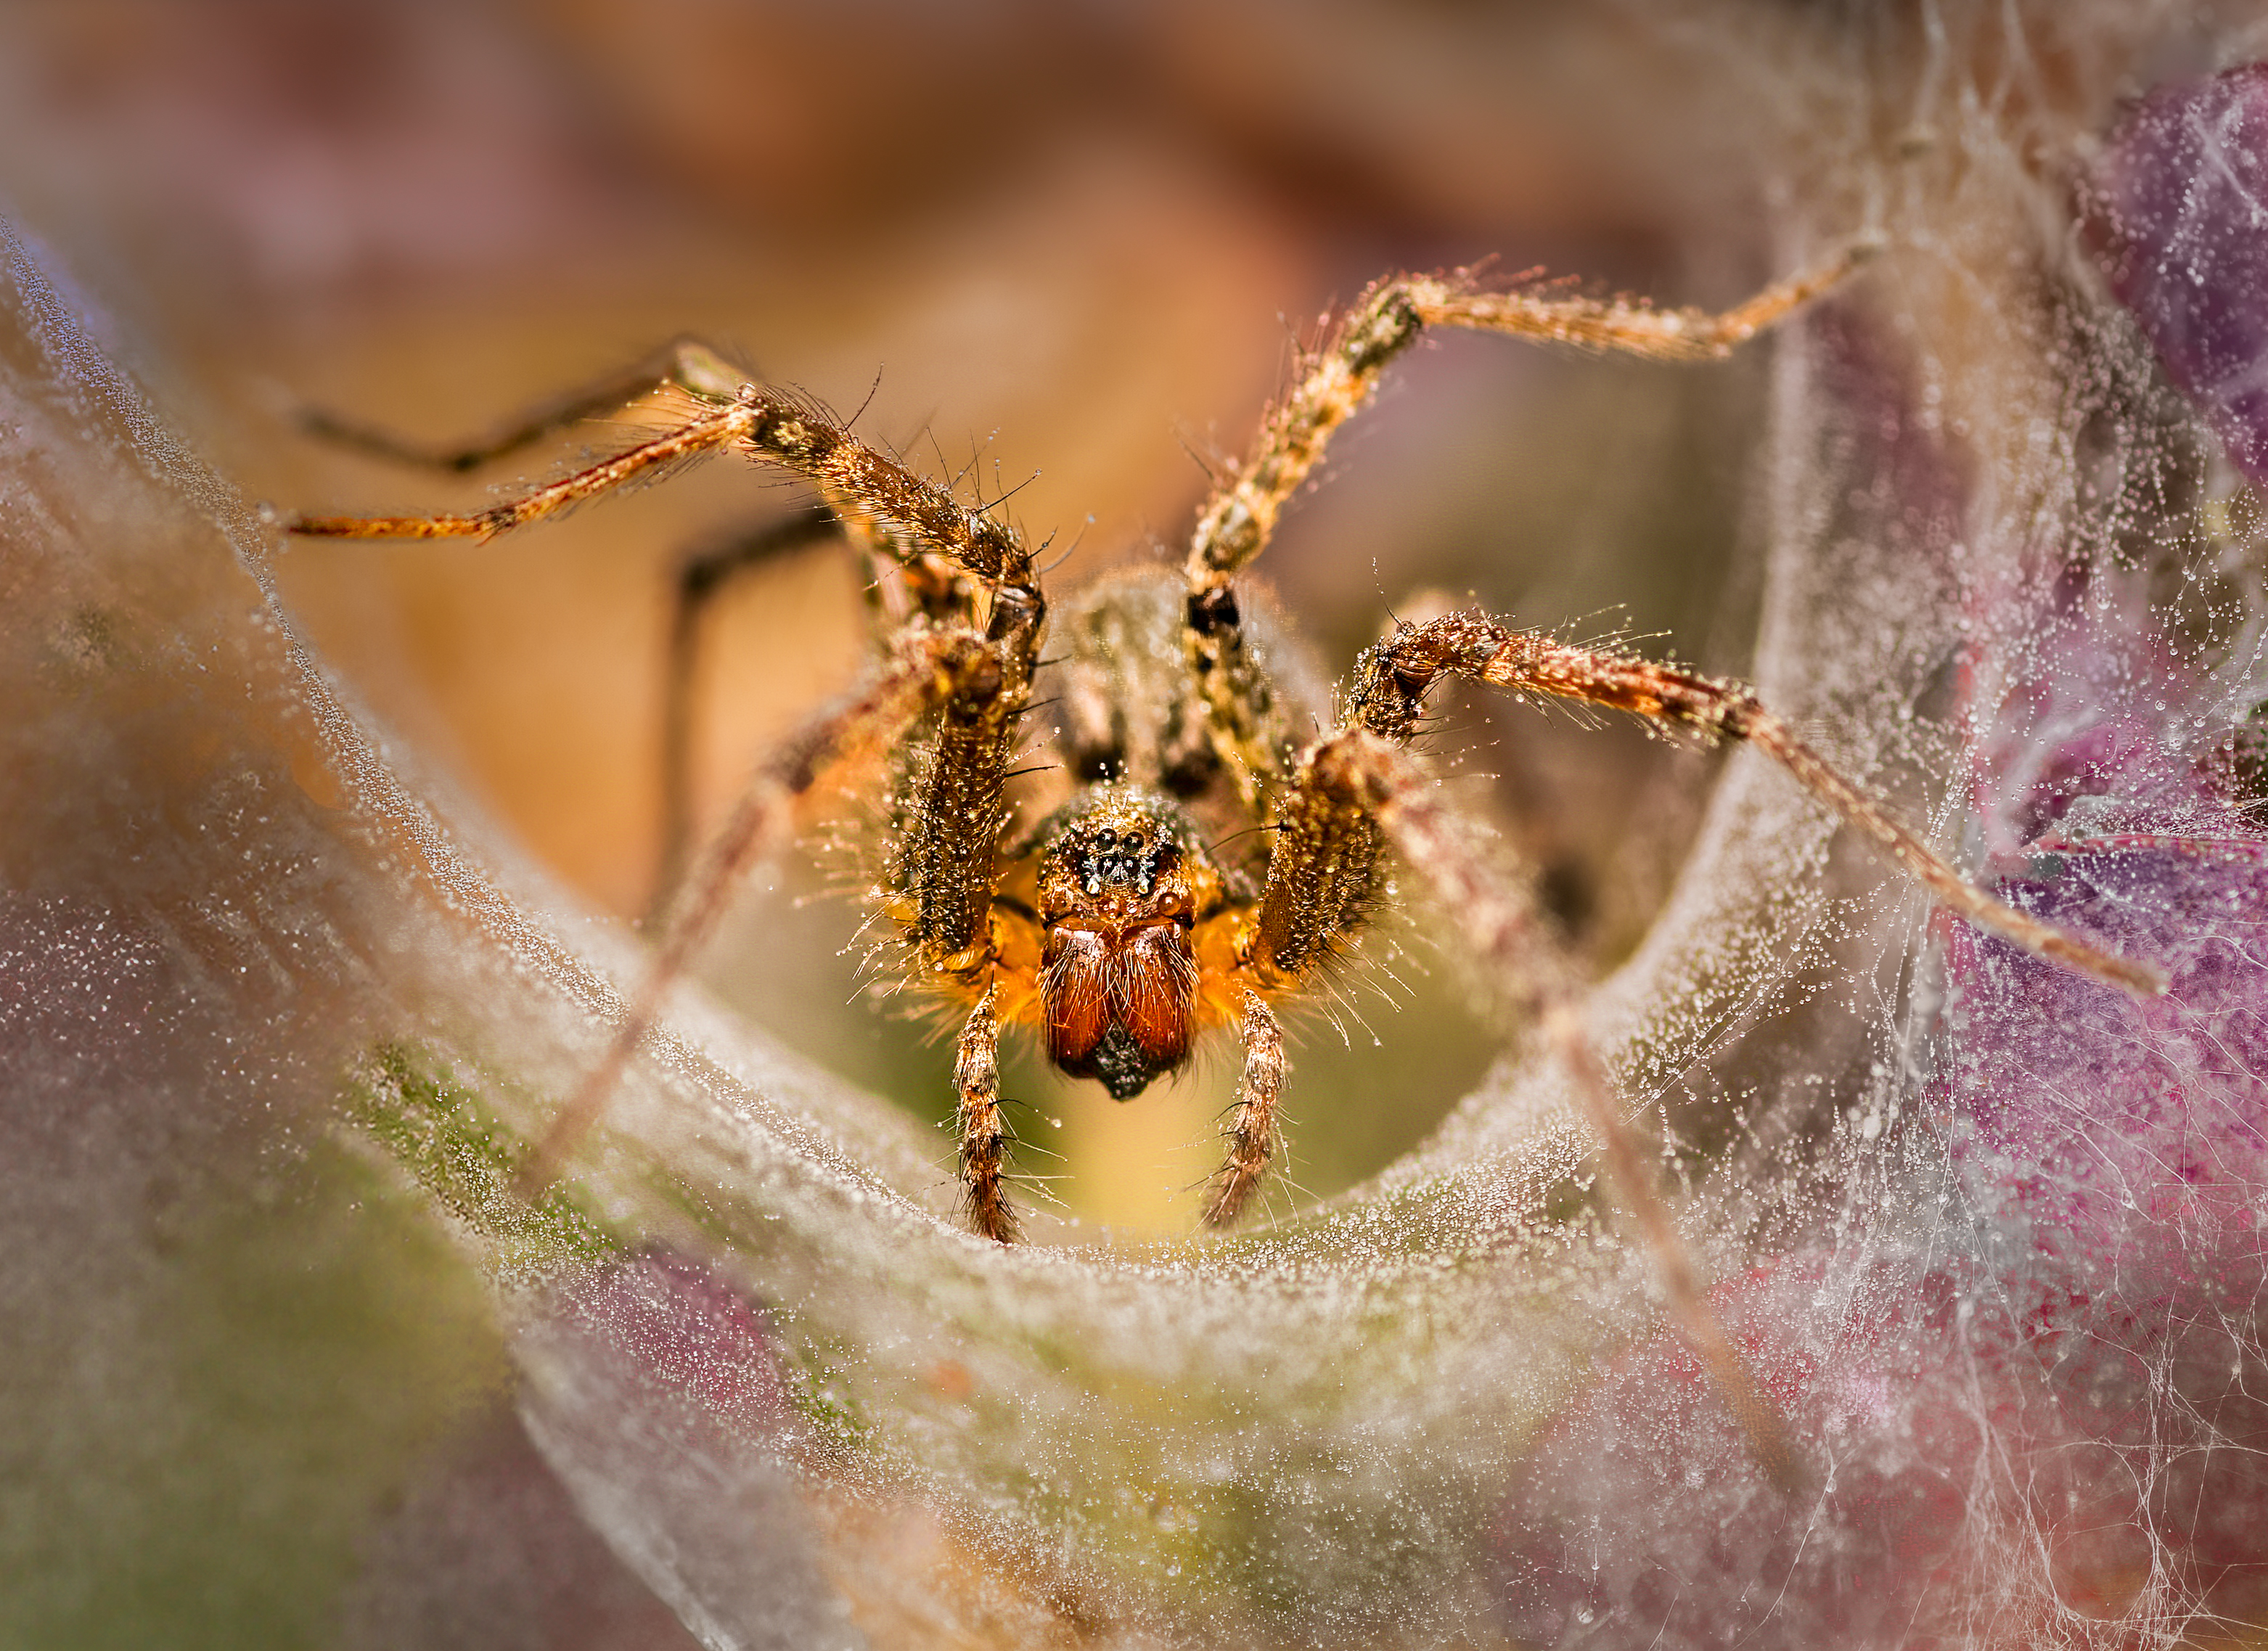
1359 787
984 1131
930 669
939 883
941 877
1336 381
1350 795
968 659
1251 1134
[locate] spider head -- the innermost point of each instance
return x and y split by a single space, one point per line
1123 878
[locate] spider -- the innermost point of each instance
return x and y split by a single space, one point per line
1111 927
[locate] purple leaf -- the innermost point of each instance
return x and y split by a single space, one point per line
2181 224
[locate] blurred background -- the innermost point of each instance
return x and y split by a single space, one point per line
1076 242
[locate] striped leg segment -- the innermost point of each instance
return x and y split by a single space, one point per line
1252 1133
983 1131
940 667
1338 380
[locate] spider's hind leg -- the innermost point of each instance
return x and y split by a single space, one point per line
1531 977
685 363
701 580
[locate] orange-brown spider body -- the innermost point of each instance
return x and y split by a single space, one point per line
1115 945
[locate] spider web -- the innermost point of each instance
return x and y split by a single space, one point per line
1988 1234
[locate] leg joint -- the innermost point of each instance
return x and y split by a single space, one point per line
1382 328
1212 611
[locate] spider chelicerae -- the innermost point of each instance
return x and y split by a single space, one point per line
1111 927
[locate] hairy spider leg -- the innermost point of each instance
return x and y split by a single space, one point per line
701 580
932 670
928 583
885 505
984 1135
950 811
1393 678
873 495
703 374
714 428
1320 888
1252 1139
1336 382
1360 772
684 362
1348 791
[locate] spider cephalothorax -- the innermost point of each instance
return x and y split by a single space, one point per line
1111 931
1123 880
